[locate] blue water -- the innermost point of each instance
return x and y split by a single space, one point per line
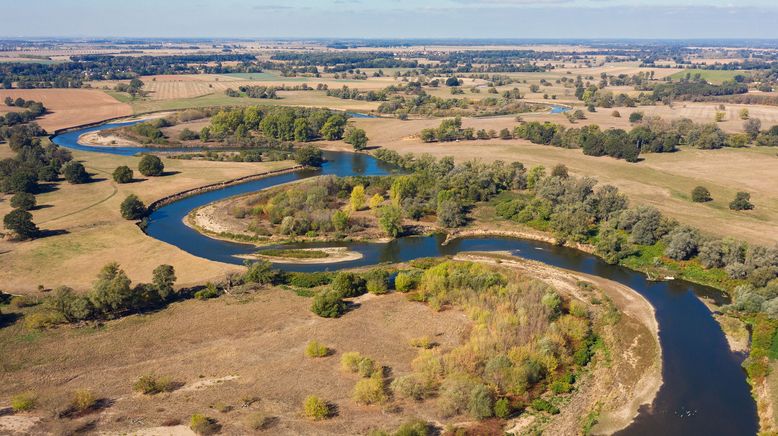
70 140
704 391
556 109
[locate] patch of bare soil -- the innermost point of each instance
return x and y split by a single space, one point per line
628 377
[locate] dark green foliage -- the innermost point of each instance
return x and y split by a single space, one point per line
260 272
309 156
151 166
700 194
742 201
309 280
164 278
132 208
20 222
23 201
377 281
328 304
356 137
390 220
348 284
75 173
542 405
122 174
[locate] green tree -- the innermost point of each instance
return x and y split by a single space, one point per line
356 137
23 201
328 304
111 292
309 156
700 194
390 220
75 173
122 174
20 181
742 201
151 166
348 285
333 128
260 272
164 278
20 222
132 208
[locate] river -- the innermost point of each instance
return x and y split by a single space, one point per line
705 390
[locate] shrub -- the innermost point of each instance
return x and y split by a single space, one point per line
151 166
315 408
367 367
258 421
260 272
578 309
75 173
203 425
502 408
23 201
481 402
328 304
377 281
700 194
405 282
370 390
316 349
210 291
132 208
83 400
42 319
350 361
635 117
348 285
122 174
415 427
24 402
309 280
422 342
542 405
409 386
742 201
150 384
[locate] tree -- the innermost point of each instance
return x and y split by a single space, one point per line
375 201
560 170
151 166
20 181
452 81
348 285
742 201
260 272
23 201
358 198
752 127
635 117
450 213
390 220
356 137
75 173
328 304
333 128
682 243
132 208
309 156
164 278
700 194
122 174
20 222
111 292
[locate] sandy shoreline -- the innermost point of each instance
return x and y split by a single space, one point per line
334 255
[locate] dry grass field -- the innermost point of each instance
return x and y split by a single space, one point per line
94 233
223 352
71 107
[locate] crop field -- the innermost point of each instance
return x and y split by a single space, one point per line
713 76
71 107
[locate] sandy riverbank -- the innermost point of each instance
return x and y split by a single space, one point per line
334 255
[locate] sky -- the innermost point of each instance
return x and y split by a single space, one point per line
675 19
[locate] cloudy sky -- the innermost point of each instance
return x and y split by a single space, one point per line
393 18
